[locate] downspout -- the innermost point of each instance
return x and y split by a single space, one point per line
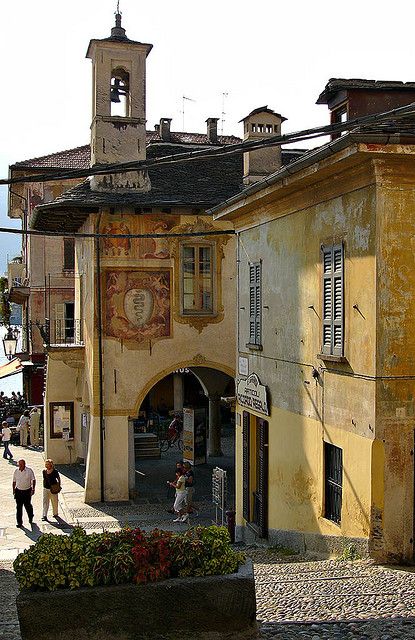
100 364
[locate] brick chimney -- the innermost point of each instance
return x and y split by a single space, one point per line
260 124
212 130
165 129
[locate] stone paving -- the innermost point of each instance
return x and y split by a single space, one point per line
297 597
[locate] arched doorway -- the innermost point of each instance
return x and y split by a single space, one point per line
206 391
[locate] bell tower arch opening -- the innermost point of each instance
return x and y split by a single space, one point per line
120 93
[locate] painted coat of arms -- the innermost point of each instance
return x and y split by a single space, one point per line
137 305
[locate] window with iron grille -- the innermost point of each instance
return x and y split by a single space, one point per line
69 254
255 301
197 279
333 305
333 475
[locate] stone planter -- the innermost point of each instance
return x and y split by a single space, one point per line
210 608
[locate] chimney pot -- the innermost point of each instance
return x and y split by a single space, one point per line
157 128
212 130
165 129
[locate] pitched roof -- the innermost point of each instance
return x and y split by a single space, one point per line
195 184
80 157
335 85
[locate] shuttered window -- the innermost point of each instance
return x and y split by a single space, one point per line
255 296
245 466
69 254
333 305
333 489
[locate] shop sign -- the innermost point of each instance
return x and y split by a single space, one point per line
252 394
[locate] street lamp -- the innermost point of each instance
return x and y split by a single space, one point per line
10 342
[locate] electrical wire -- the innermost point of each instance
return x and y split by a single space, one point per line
385 121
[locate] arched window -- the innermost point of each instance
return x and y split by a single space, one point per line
120 93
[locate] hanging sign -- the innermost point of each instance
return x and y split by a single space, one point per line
252 394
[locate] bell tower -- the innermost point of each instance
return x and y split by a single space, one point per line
118 129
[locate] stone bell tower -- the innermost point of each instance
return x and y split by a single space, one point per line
118 129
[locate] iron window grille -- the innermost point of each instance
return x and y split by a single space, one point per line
333 472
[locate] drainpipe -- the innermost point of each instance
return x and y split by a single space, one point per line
100 365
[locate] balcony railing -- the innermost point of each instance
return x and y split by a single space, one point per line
67 331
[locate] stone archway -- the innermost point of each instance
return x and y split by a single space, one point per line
213 378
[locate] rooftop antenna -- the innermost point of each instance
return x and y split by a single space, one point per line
183 104
224 96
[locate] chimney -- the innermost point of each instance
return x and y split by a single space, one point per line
165 129
157 128
260 124
212 130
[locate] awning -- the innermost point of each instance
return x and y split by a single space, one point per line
12 367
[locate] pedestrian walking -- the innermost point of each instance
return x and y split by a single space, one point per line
180 501
23 428
34 427
24 484
51 488
189 484
6 436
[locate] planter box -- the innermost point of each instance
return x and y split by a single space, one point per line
210 608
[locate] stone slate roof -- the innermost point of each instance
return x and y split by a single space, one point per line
80 157
335 85
195 184
198 184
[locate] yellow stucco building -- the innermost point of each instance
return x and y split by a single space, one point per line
326 357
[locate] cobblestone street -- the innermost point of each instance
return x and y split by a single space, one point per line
297 597
309 600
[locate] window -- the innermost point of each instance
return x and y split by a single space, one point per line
333 482
333 307
255 302
69 254
197 279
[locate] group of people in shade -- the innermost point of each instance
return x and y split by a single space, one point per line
184 484
29 420
24 485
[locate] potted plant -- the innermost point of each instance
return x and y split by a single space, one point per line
132 584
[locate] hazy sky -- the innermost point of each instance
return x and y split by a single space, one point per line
263 52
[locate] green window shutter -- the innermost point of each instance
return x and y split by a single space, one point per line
333 300
255 303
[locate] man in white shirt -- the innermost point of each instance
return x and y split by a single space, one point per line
23 428
6 435
24 483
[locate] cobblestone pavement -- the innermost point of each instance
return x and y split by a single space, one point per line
322 599
297 598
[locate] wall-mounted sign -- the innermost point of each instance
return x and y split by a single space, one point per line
243 366
252 394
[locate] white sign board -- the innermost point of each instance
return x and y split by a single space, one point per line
252 394
188 435
243 366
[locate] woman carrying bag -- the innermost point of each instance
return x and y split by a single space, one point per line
51 488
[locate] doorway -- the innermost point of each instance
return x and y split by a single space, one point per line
255 473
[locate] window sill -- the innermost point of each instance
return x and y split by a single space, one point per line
254 347
331 358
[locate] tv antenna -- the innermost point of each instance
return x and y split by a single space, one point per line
184 99
224 96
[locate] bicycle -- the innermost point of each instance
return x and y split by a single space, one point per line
167 443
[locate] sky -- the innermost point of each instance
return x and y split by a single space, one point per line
279 54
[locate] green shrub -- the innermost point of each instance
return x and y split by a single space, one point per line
125 556
203 551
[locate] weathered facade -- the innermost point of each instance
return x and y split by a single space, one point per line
325 392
